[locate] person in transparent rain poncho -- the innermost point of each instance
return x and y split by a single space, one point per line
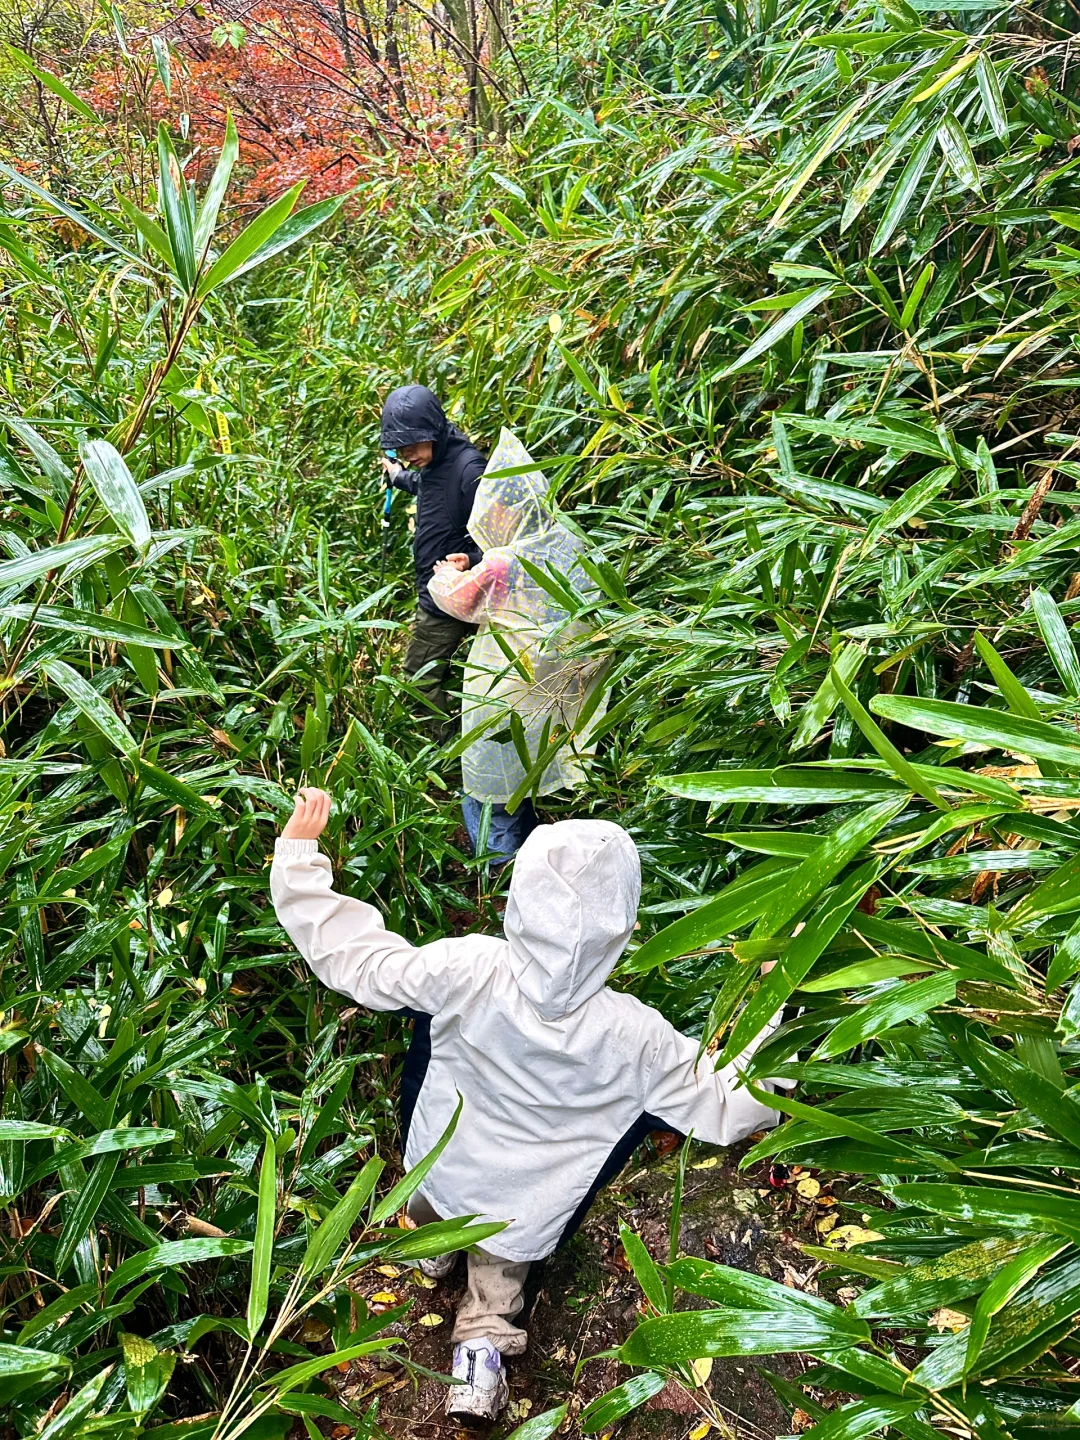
546 685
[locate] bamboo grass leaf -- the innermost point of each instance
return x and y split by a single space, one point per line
97 710
84 1209
328 1238
956 149
1026 1211
606 1410
262 1250
990 727
117 491
410 1183
54 84
287 1380
832 137
874 174
61 207
903 769
1057 639
172 194
208 211
169 1255
149 229
798 958
780 327
781 786
865 1417
737 905
272 231
540 1427
993 101
16 1360
905 1002
908 505
1002 1288
902 196
90 625
808 880
645 1269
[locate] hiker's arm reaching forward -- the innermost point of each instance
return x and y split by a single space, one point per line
687 1095
344 940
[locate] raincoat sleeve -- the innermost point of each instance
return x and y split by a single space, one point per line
712 1103
345 942
407 480
468 594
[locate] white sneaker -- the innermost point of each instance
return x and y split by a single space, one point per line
438 1267
485 1391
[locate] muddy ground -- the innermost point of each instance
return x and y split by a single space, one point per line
585 1300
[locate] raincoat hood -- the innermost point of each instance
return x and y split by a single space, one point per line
509 510
411 414
571 910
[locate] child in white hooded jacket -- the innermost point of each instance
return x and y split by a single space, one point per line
560 1075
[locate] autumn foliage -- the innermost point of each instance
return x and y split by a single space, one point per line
311 100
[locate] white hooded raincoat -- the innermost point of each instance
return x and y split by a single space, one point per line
546 687
557 1071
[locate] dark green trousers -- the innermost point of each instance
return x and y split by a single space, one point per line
432 645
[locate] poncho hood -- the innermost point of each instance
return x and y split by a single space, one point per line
571 910
509 510
411 414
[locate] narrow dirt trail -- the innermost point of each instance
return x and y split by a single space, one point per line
584 1300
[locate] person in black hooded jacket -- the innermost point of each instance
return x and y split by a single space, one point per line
442 468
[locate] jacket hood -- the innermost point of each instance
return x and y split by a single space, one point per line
413 413
571 910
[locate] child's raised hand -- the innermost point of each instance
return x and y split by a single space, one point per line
309 816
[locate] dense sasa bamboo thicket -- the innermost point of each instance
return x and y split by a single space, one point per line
785 300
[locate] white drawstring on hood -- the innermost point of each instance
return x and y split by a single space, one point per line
572 906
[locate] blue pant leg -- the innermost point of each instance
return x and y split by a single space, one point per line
506 833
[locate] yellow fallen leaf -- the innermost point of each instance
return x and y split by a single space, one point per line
164 897
384 1297
701 1370
708 1164
431 1320
946 1319
390 1271
808 1189
844 1236
699 1431
825 1223
424 1281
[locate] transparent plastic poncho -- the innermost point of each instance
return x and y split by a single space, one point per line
526 657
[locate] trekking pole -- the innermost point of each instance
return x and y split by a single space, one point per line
388 501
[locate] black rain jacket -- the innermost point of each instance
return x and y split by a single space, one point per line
444 490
